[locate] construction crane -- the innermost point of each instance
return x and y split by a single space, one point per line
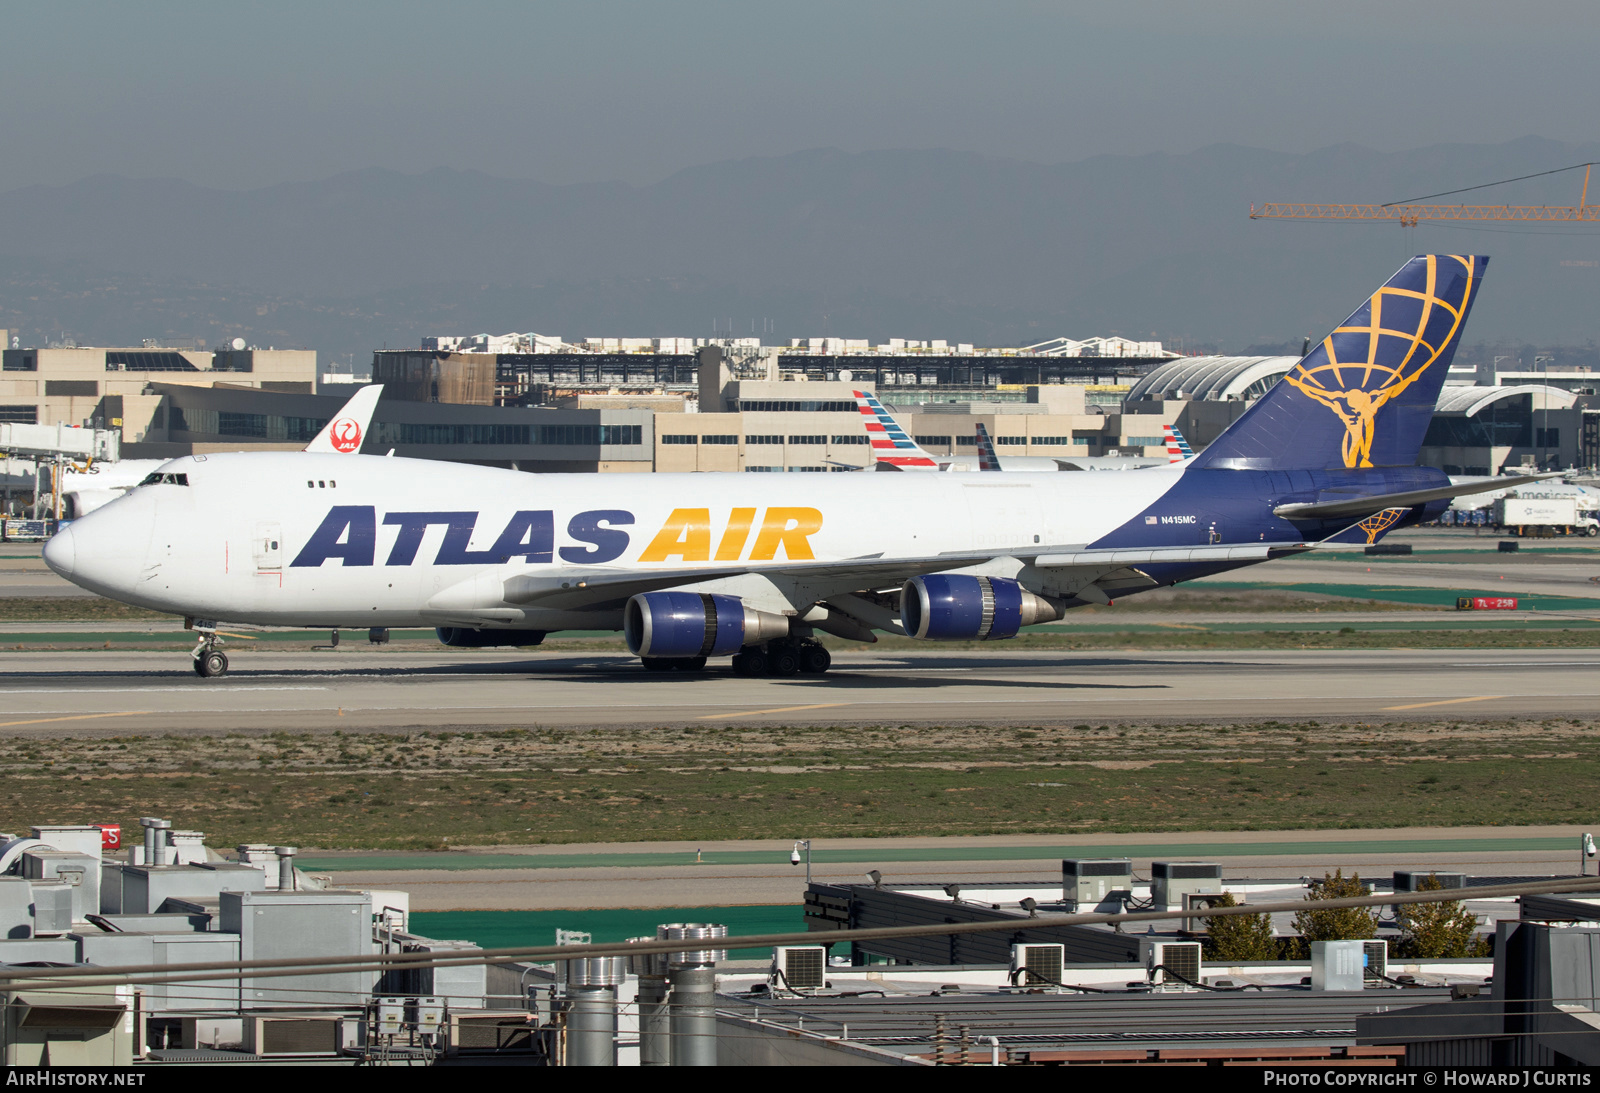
1408 214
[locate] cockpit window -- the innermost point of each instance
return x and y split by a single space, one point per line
156 478
150 479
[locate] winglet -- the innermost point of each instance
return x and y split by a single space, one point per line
343 435
1368 531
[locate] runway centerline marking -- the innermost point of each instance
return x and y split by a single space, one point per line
780 709
145 690
1445 702
74 717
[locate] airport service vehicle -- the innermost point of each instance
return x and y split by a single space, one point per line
1544 516
751 567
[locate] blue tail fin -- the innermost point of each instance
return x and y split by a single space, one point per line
1365 395
987 459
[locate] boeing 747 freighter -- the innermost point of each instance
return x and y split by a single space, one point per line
692 567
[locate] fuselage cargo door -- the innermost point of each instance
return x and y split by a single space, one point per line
268 548
1004 514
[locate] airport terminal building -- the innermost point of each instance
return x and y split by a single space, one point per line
759 411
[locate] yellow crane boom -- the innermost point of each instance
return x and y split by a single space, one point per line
1408 215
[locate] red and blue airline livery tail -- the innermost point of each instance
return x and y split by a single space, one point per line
988 460
890 444
1177 448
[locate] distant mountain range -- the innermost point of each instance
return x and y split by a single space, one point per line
933 244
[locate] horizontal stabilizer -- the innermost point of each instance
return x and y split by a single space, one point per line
1362 506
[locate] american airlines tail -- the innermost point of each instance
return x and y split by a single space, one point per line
1178 448
891 445
988 459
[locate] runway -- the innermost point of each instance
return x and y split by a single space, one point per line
355 688
743 873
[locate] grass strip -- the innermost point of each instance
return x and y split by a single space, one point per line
434 790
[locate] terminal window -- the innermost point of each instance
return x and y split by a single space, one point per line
19 415
807 469
720 438
763 470
765 406
1011 440
935 441
118 361
1039 441
675 438
763 440
1145 441
861 439
808 440
966 441
19 360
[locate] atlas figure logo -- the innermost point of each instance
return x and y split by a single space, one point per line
345 434
1347 373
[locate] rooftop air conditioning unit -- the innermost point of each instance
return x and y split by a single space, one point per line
499 1031
1377 964
1038 965
267 1036
1170 881
1091 880
1412 880
1172 964
800 967
1338 965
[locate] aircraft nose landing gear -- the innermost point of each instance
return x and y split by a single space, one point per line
209 660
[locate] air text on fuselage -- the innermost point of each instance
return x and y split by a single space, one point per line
349 533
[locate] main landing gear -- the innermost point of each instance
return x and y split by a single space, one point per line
787 657
209 660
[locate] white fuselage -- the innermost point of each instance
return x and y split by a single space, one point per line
366 541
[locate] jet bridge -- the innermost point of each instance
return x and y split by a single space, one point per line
45 450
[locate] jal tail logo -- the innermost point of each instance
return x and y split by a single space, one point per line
345 434
1384 348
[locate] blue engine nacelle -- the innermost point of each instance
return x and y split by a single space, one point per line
694 624
464 637
961 607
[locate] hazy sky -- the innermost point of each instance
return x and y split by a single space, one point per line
248 94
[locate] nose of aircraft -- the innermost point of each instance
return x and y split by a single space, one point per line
61 553
106 550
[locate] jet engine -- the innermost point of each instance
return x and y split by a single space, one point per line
961 607
465 638
693 624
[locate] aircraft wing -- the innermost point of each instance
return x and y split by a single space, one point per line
1071 566
1361 506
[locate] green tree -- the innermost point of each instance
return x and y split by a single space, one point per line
1439 929
1334 924
1239 938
